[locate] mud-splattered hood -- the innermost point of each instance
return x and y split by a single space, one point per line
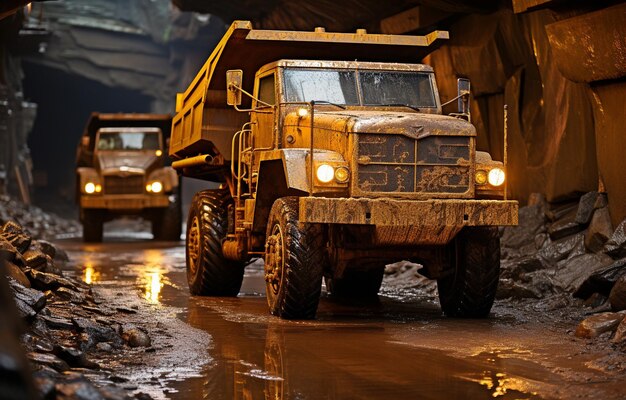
128 160
376 121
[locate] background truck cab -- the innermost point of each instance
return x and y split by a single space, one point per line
121 171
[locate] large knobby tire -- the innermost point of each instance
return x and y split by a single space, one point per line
357 283
208 272
471 289
168 225
295 256
93 225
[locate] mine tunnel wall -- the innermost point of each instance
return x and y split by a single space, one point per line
564 137
560 70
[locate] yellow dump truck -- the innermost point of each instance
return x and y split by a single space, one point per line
334 160
121 171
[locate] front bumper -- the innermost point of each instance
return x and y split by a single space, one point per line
124 202
417 214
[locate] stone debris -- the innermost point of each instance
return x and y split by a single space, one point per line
599 231
567 251
620 333
616 245
598 324
65 326
34 222
617 297
135 337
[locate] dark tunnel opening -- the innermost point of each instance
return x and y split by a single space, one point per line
64 103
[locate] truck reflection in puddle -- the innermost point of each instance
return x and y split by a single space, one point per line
334 360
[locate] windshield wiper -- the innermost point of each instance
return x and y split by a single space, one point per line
400 105
328 102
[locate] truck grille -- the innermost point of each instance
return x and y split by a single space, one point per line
133 184
401 164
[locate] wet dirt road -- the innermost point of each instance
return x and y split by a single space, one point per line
398 348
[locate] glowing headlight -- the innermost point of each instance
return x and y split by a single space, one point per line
342 174
325 173
90 187
158 153
303 112
496 177
98 188
154 187
481 177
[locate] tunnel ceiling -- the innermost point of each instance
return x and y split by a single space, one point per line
344 16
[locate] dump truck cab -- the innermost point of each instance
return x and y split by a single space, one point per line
122 171
338 167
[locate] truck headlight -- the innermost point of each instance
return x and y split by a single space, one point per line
342 174
496 177
481 177
325 173
154 187
90 188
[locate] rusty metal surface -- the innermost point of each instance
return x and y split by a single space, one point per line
127 202
396 163
391 212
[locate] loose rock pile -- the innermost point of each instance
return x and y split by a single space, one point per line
65 324
568 249
39 223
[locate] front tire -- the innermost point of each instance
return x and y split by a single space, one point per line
208 272
471 289
93 226
295 256
168 224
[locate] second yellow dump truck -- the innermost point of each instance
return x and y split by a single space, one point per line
335 160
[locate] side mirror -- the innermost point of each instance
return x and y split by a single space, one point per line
463 87
234 79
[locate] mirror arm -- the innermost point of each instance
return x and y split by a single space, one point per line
235 87
455 99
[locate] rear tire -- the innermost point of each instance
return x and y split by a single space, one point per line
208 272
168 224
93 225
295 257
471 289
357 284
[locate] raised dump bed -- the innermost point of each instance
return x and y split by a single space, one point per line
205 125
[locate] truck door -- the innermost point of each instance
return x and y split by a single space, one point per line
264 128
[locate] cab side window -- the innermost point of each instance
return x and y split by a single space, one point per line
266 90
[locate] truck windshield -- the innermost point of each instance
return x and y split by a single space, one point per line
414 89
128 141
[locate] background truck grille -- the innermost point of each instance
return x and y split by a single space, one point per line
133 184
397 163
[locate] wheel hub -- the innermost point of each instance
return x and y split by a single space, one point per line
274 259
193 246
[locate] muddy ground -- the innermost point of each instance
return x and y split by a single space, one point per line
121 324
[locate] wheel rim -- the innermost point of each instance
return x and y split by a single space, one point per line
193 246
274 262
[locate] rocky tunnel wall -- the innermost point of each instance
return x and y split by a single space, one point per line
562 78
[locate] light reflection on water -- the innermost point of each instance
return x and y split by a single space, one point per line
152 277
90 274
153 285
